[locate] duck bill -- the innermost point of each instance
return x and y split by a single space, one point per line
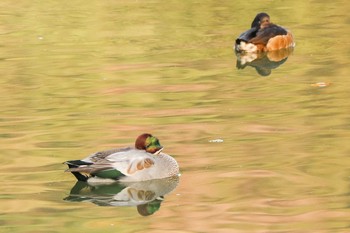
158 151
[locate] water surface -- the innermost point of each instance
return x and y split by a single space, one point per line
257 153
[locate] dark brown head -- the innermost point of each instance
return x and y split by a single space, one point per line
148 143
261 20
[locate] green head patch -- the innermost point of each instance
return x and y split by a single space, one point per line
152 144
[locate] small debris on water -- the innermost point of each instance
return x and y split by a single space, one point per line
219 140
320 84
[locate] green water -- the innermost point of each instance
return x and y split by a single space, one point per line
257 153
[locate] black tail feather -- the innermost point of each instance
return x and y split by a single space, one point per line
80 176
77 163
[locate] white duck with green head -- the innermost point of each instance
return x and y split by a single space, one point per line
145 161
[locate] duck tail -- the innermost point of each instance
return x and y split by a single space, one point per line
76 164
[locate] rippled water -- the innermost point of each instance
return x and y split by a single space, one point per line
257 153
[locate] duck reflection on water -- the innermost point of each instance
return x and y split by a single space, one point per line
147 196
263 62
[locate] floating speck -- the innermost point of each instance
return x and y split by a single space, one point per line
218 140
320 84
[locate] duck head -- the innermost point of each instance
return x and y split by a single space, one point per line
261 20
148 143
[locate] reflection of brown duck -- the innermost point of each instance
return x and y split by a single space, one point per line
264 36
263 62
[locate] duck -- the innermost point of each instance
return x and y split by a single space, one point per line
264 36
144 161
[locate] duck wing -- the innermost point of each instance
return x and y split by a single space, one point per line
129 162
87 167
247 35
265 34
101 155
111 165
82 169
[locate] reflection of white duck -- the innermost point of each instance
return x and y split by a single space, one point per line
144 162
146 195
137 193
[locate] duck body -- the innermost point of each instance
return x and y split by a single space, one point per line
126 164
264 36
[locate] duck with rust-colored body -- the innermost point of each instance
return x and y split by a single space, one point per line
144 162
264 36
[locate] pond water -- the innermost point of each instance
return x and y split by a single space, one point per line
258 153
